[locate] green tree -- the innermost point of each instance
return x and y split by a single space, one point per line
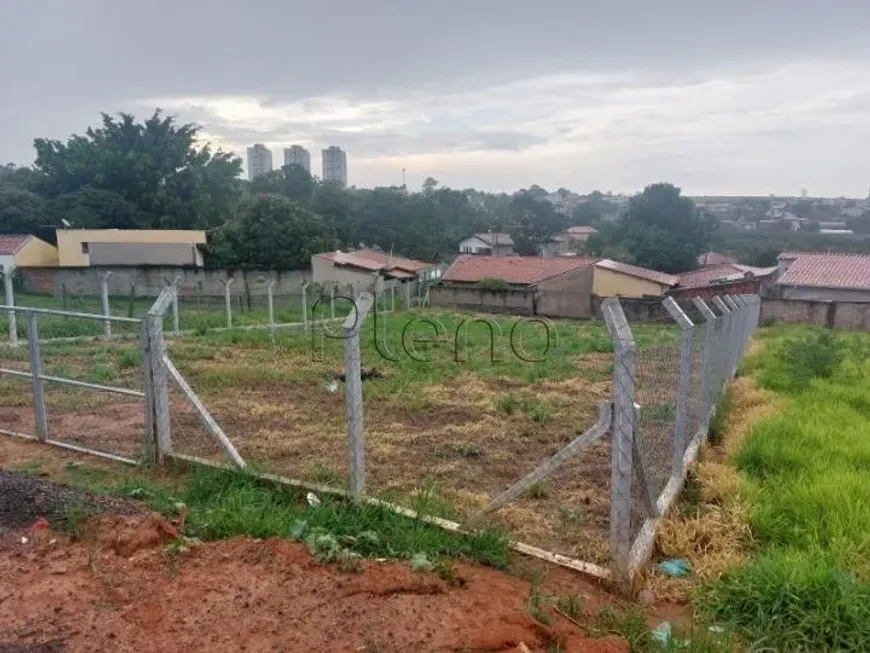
154 167
663 230
292 181
533 222
271 232
430 185
20 210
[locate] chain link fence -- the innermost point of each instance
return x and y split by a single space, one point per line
106 384
664 396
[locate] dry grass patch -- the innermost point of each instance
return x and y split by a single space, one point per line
713 534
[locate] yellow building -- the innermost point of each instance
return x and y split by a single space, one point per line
24 250
615 279
85 247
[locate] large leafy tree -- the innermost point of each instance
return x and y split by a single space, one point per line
292 181
533 221
151 175
663 230
20 210
271 232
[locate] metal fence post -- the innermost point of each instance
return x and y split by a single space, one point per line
10 301
622 438
160 387
270 304
393 299
36 373
353 394
408 295
104 294
687 346
228 302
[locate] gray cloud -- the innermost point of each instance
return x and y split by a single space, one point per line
484 93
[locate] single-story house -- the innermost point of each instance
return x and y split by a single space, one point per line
25 250
613 278
724 279
358 270
824 277
570 242
555 287
714 258
135 247
488 244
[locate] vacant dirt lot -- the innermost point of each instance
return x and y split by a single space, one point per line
126 583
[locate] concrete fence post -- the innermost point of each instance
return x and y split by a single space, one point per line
393 299
624 416
270 304
687 346
104 295
726 343
353 393
228 302
150 440
10 301
708 366
40 414
332 301
159 387
176 326
408 295
305 306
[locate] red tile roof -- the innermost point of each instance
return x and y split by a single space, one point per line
635 271
519 270
372 260
11 243
715 275
850 271
715 258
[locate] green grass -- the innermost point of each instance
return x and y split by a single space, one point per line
226 504
806 474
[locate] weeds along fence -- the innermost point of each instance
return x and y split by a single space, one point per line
119 393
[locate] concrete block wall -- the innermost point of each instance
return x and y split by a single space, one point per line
149 281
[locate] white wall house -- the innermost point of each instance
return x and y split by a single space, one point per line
490 244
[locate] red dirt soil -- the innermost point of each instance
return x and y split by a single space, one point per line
118 588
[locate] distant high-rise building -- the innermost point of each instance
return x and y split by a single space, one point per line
259 160
298 155
335 165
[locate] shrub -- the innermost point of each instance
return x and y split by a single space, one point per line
493 284
817 354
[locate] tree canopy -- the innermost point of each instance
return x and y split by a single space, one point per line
271 231
664 231
137 175
127 174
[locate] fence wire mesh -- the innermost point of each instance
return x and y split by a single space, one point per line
671 387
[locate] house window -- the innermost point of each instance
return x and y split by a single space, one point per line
84 248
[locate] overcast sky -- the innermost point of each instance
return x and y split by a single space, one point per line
729 97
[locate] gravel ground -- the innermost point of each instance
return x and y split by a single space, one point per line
23 499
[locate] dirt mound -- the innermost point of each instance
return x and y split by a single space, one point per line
118 589
24 499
